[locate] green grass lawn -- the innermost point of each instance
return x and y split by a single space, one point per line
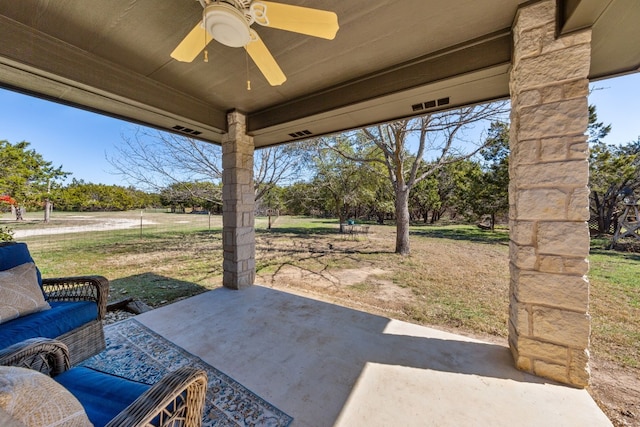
615 304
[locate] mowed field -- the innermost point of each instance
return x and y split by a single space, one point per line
456 278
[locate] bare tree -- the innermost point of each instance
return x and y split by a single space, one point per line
164 162
159 161
416 148
279 165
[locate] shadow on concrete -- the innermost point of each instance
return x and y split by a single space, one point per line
311 359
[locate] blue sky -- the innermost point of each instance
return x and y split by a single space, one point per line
80 141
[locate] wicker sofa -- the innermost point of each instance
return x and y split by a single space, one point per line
177 400
78 305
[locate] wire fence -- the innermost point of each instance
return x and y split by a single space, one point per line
67 227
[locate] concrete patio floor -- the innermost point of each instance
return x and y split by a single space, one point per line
327 365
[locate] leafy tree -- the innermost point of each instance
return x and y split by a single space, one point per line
302 198
597 130
80 196
611 169
6 233
424 198
7 200
337 178
28 177
206 195
447 189
342 182
380 200
489 192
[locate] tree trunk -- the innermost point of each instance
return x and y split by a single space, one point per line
402 222
609 205
342 217
47 203
610 217
47 210
598 210
435 216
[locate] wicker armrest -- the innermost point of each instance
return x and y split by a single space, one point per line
176 400
45 355
79 288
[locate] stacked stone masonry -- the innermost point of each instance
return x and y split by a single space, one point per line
549 322
238 234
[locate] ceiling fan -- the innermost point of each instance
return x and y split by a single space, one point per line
229 22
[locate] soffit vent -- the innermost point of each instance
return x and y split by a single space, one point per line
430 104
300 134
186 130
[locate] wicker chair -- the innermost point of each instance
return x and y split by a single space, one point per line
177 400
87 339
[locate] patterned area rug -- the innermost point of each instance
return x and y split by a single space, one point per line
135 352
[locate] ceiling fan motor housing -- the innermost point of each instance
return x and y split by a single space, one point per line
226 24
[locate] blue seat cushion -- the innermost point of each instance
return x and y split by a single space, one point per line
102 395
13 254
63 317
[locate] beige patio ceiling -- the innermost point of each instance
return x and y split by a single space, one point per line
390 59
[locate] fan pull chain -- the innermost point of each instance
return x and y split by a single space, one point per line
246 57
205 51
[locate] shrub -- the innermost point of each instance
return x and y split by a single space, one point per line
6 234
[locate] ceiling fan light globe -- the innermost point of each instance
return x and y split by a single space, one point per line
226 24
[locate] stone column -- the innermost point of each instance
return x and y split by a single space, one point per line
549 323
238 236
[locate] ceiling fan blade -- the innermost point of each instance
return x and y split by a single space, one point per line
303 20
258 51
192 44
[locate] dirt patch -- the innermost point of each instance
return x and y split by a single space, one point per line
617 392
364 284
105 225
